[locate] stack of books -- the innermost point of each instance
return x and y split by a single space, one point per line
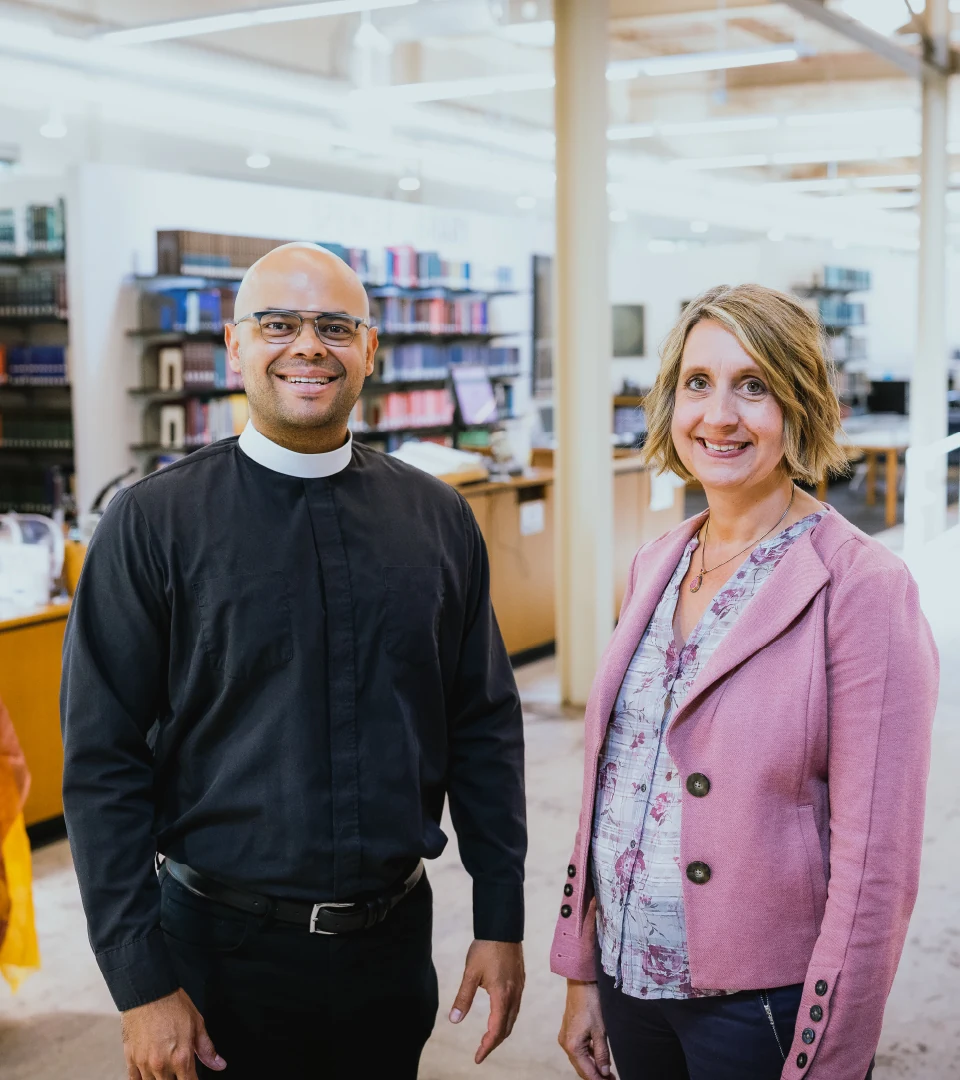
33 365
200 254
205 365
36 432
407 363
40 293
409 409
209 421
185 311
409 315
45 230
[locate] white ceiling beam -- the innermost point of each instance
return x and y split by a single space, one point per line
912 63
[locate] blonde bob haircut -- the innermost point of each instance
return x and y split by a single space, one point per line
788 344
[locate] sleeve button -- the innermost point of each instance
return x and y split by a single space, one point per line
566 911
816 1013
568 889
821 988
571 871
801 1061
808 1035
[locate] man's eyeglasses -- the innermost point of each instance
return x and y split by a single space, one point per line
280 327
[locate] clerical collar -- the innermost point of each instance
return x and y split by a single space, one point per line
279 459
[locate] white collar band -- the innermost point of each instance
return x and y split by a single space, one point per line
279 459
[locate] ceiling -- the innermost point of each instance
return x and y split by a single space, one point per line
826 141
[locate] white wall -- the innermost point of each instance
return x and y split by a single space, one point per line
113 215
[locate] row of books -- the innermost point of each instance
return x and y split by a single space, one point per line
186 311
409 409
841 277
400 363
197 423
217 255
409 315
839 313
43 229
34 292
33 365
196 364
41 432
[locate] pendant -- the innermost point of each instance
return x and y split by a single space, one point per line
697 582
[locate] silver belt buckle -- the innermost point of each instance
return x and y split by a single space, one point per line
317 908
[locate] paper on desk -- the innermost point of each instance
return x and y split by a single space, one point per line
662 488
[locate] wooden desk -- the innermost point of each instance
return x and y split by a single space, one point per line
30 648
888 441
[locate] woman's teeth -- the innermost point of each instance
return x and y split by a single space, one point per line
724 448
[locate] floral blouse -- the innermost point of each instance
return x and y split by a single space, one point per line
636 825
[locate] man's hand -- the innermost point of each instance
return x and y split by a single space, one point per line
161 1039
582 1033
497 966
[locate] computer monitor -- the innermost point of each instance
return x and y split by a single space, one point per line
474 394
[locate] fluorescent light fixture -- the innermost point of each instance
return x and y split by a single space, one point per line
238 20
408 183
720 125
526 202
848 153
539 35
689 63
850 117
626 132
735 161
482 86
699 226
903 180
257 160
618 216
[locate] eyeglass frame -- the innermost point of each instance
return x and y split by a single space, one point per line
316 316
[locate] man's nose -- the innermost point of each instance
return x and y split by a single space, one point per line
309 340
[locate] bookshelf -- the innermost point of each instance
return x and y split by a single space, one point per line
830 297
431 315
36 425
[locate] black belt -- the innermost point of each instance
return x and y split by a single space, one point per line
331 918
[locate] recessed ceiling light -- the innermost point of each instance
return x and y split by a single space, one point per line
526 202
258 161
699 226
408 183
618 215
54 128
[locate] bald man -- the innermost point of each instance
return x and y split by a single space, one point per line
280 660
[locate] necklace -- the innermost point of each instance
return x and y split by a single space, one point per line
698 580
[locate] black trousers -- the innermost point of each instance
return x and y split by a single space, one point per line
283 1004
713 1038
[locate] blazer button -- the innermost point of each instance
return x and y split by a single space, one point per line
698 784
568 891
571 871
816 1013
801 1061
821 988
566 911
698 873
808 1035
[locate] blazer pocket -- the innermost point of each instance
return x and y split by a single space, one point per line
246 622
414 601
811 841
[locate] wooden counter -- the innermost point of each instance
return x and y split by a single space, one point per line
30 647
522 567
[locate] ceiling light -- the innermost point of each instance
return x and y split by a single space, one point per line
735 161
526 202
720 125
481 86
624 132
54 128
688 63
238 20
257 160
618 216
408 183
699 226
858 116
776 235
903 180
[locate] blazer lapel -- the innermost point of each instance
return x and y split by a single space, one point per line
798 578
653 574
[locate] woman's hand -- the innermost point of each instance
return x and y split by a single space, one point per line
582 1034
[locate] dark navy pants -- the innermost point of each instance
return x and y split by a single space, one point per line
714 1038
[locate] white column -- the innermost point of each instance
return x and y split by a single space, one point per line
928 398
583 347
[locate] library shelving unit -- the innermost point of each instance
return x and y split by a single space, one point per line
36 430
429 314
830 295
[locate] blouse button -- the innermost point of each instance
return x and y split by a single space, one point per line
566 911
821 988
801 1061
808 1035
571 871
816 1013
568 889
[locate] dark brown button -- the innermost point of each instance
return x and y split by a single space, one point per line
571 871
568 891
821 988
566 911
698 784
698 873
816 1013
801 1061
808 1035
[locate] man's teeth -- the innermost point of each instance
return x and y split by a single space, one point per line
322 379
725 448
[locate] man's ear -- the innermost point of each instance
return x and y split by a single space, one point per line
372 344
232 340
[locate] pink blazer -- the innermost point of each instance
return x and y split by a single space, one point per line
812 722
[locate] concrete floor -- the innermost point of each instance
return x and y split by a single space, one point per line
62 1022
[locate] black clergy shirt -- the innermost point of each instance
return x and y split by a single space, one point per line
277 680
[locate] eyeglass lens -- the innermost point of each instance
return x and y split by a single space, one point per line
280 327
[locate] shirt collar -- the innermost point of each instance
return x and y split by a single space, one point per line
279 459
